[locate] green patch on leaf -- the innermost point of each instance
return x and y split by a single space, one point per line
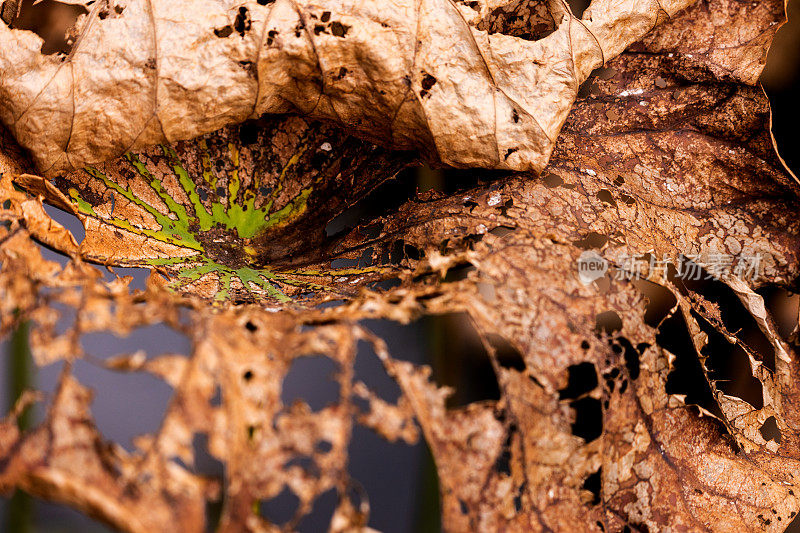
218 228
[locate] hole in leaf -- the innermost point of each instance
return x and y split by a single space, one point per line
339 29
782 306
387 284
205 463
321 512
323 446
242 22
581 379
769 430
223 32
505 352
604 195
610 378
552 180
53 21
396 254
593 484
591 240
630 354
459 273
216 398
459 359
608 322
392 478
366 257
344 262
310 379
213 514
588 423
308 464
404 341
150 339
687 377
427 83
281 508
729 366
659 301
735 317
502 465
518 496
126 405
411 252
463 507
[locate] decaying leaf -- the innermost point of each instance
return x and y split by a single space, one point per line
666 156
240 213
437 75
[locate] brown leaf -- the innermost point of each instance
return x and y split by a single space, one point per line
413 76
665 159
67 459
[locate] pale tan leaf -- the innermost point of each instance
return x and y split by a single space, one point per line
415 75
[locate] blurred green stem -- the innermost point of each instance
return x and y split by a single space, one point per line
20 377
429 512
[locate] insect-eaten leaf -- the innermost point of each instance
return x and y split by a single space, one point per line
238 214
633 375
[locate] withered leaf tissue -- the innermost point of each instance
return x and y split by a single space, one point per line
213 142
450 78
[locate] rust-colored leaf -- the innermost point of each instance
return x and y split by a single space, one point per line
664 174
